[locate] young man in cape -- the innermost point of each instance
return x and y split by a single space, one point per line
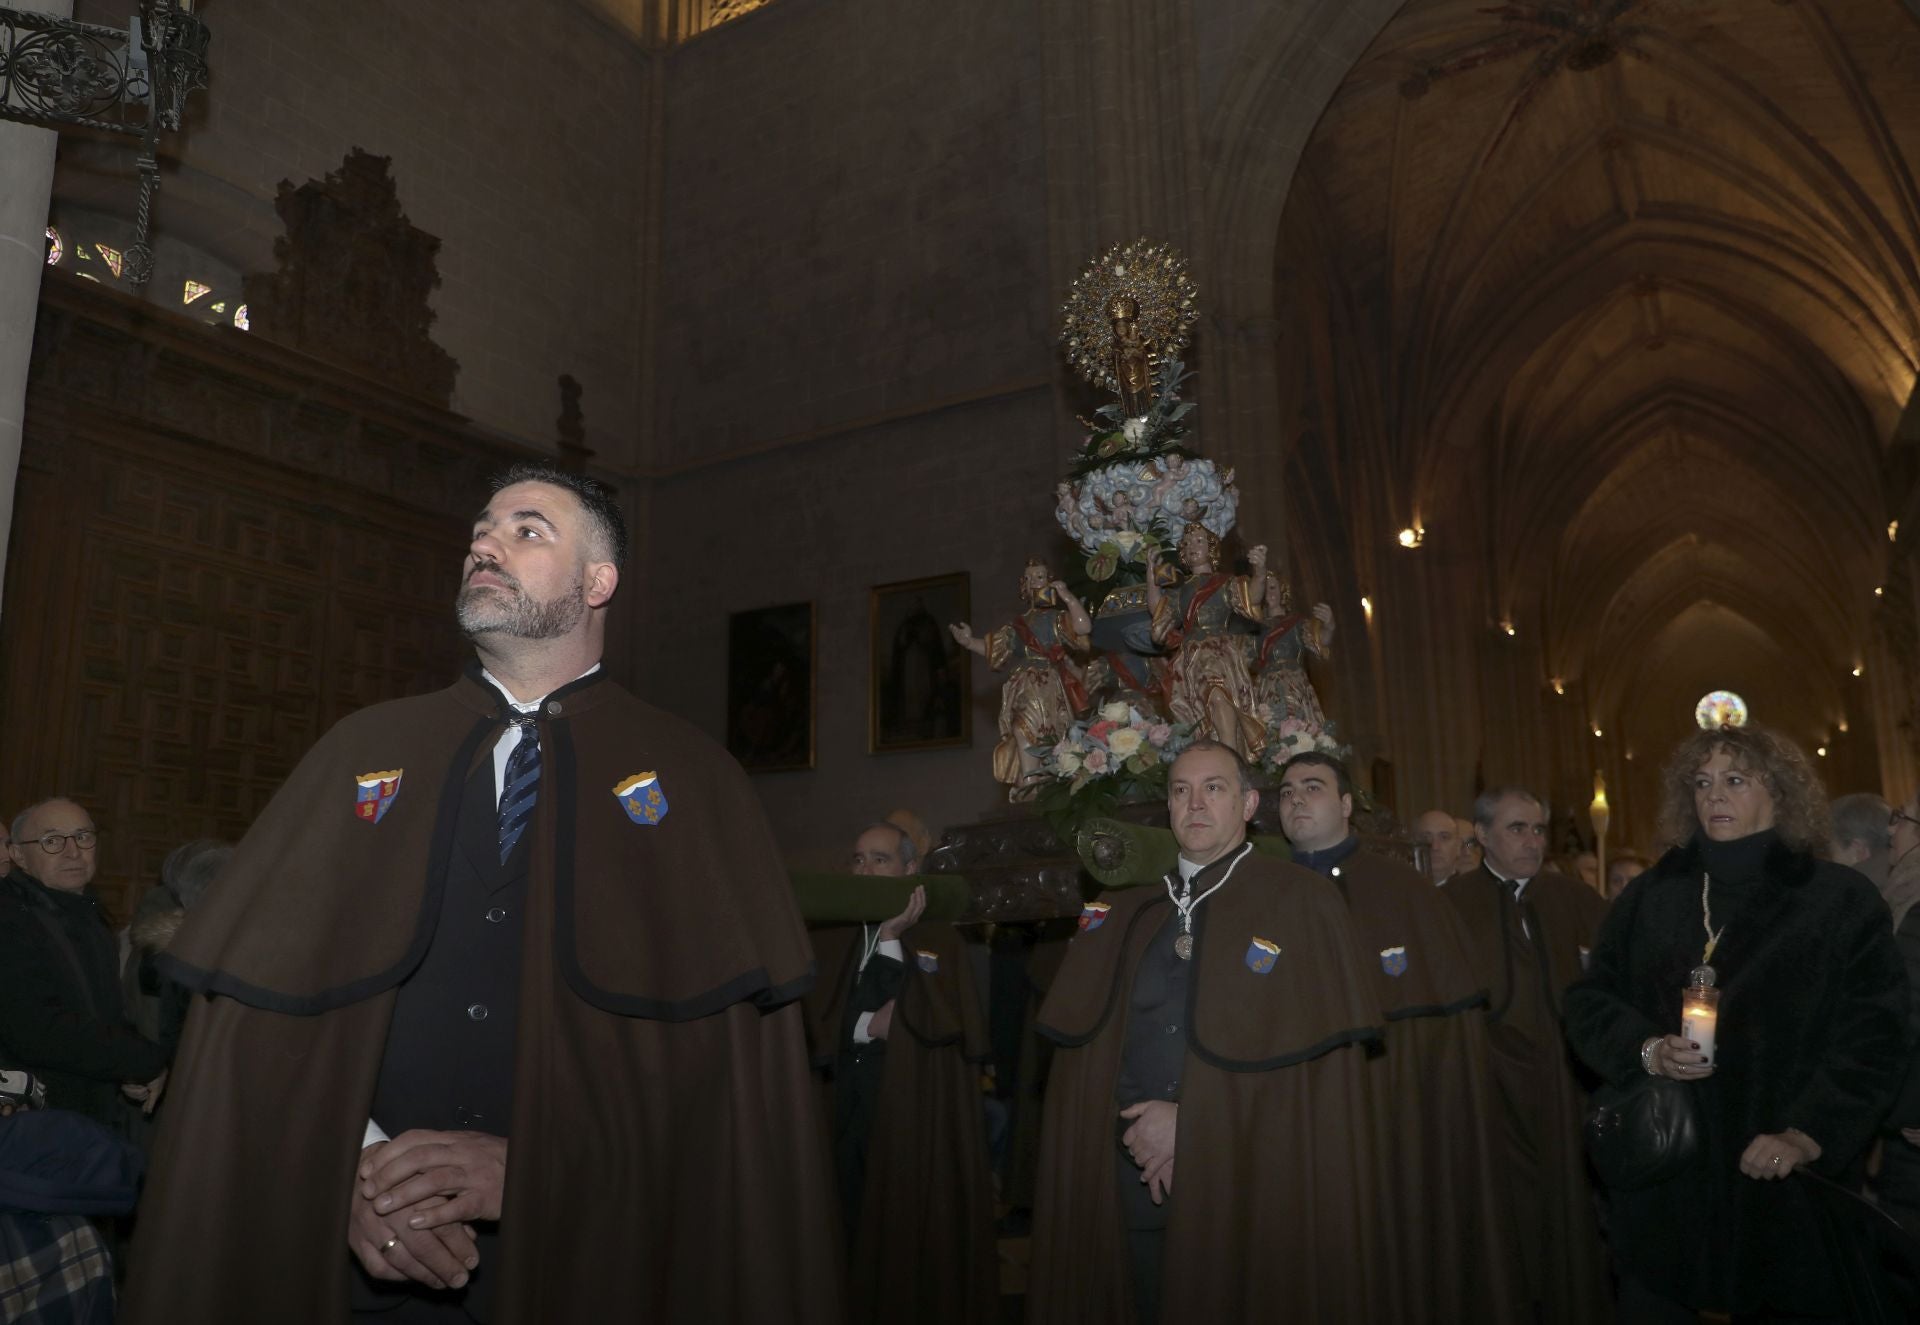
1531 930
896 1023
1453 1250
499 1019
1209 1151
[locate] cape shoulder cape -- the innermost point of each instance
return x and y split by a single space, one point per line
321 908
1413 944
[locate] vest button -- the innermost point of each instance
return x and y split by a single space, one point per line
553 706
497 915
478 1012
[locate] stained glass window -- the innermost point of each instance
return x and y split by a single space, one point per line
194 290
220 307
240 318
56 247
112 256
1722 708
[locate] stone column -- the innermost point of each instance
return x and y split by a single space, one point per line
26 187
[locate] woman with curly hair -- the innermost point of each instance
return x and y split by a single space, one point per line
1810 1043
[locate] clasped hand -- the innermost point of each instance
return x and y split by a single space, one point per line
1149 1143
1678 1058
421 1192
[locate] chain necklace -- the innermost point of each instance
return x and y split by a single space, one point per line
1183 945
1706 921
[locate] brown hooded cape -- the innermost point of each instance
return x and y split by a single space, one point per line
1449 1236
925 1248
665 1162
1276 1156
1544 1177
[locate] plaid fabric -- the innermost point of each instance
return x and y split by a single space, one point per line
54 1270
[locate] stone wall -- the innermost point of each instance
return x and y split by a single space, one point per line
516 135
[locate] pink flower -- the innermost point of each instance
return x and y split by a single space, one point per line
1096 761
1100 729
1159 734
1290 726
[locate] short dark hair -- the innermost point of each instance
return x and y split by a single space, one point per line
1239 761
908 851
1864 818
1319 760
600 502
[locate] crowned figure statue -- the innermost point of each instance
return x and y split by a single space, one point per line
1196 621
1045 688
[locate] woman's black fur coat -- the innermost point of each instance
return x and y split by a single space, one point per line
1812 1034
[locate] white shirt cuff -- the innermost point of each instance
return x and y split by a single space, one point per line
374 1135
860 1025
891 948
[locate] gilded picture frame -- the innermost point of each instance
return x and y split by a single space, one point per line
772 683
920 681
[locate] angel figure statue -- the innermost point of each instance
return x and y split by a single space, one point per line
1281 680
1046 688
1194 620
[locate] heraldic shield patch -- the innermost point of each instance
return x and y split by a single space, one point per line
1393 961
1261 955
641 797
927 961
374 793
1093 915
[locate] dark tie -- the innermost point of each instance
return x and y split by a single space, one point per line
520 787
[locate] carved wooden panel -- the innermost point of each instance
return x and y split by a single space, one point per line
211 564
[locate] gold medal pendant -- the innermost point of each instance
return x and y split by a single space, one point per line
1183 947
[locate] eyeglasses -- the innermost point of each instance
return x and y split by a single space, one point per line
55 843
1899 817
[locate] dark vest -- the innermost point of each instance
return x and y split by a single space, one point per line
448 1064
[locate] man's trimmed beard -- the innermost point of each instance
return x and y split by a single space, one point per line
519 616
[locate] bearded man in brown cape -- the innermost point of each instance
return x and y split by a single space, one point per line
1216 1027
1531 930
538 933
1451 1245
895 1022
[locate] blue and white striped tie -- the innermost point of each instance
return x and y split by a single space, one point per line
520 787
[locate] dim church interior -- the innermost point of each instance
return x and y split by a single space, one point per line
1578 338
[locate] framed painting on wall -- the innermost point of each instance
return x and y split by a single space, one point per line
770 688
920 682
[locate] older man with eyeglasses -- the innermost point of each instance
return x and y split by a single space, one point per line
61 1015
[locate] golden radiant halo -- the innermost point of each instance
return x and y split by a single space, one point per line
1156 278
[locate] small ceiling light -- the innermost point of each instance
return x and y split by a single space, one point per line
1412 536
1843 726
1559 686
1629 756
1366 606
1893 530
1859 669
1507 627
1879 590
1821 751
1596 730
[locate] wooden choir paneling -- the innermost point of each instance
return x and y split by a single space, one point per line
218 550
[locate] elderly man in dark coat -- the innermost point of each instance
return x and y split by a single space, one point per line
1531 931
1451 1242
61 1013
1216 1026
536 933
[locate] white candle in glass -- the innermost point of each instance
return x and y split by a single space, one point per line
1699 1017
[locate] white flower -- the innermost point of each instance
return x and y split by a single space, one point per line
1067 763
1124 742
1134 429
1115 710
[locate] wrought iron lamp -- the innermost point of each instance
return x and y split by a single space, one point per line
60 74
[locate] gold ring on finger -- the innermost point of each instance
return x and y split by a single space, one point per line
389 1245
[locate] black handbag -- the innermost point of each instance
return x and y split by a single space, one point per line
1642 1133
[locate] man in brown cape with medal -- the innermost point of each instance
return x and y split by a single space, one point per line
1214 1027
536 933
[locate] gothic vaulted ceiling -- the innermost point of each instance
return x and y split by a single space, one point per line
1623 295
